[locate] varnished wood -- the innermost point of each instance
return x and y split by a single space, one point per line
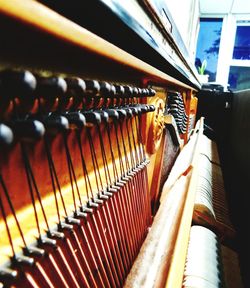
102 59
175 275
33 14
151 266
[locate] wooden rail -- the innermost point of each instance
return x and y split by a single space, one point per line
39 18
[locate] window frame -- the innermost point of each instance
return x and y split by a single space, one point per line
220 18
225 56
240 20
238 61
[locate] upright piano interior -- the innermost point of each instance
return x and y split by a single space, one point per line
109 174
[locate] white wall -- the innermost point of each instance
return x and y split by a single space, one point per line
186 17
225 6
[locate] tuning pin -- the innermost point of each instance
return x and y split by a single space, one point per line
92 204
104 115
55 123
21 259
139 109
6 135
140 92
72 221
51 86
123 113
46 241
17 83
33 251
7 273
76 119
128 91
105 89
135 110
120 91
110 100
55 234
90 96
135 91
28 130
73 96
144 108
79 214
65 226
145 92
112 114
151 92
119 95
49 90
112 90
151 108
76 87
92 118
101 99
18 86
92 87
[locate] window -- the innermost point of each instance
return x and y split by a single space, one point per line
239 72
208 45
239 77
242 42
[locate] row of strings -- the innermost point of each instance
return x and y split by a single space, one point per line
176 107
95 243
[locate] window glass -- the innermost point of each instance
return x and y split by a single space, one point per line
239 78
208 45
242 43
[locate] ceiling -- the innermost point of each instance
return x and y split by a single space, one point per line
224 6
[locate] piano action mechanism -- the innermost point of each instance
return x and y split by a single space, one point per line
88 137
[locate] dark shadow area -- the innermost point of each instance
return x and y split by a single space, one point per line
227 119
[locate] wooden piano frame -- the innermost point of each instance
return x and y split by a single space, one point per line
36 38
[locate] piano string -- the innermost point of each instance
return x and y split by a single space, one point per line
76 209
